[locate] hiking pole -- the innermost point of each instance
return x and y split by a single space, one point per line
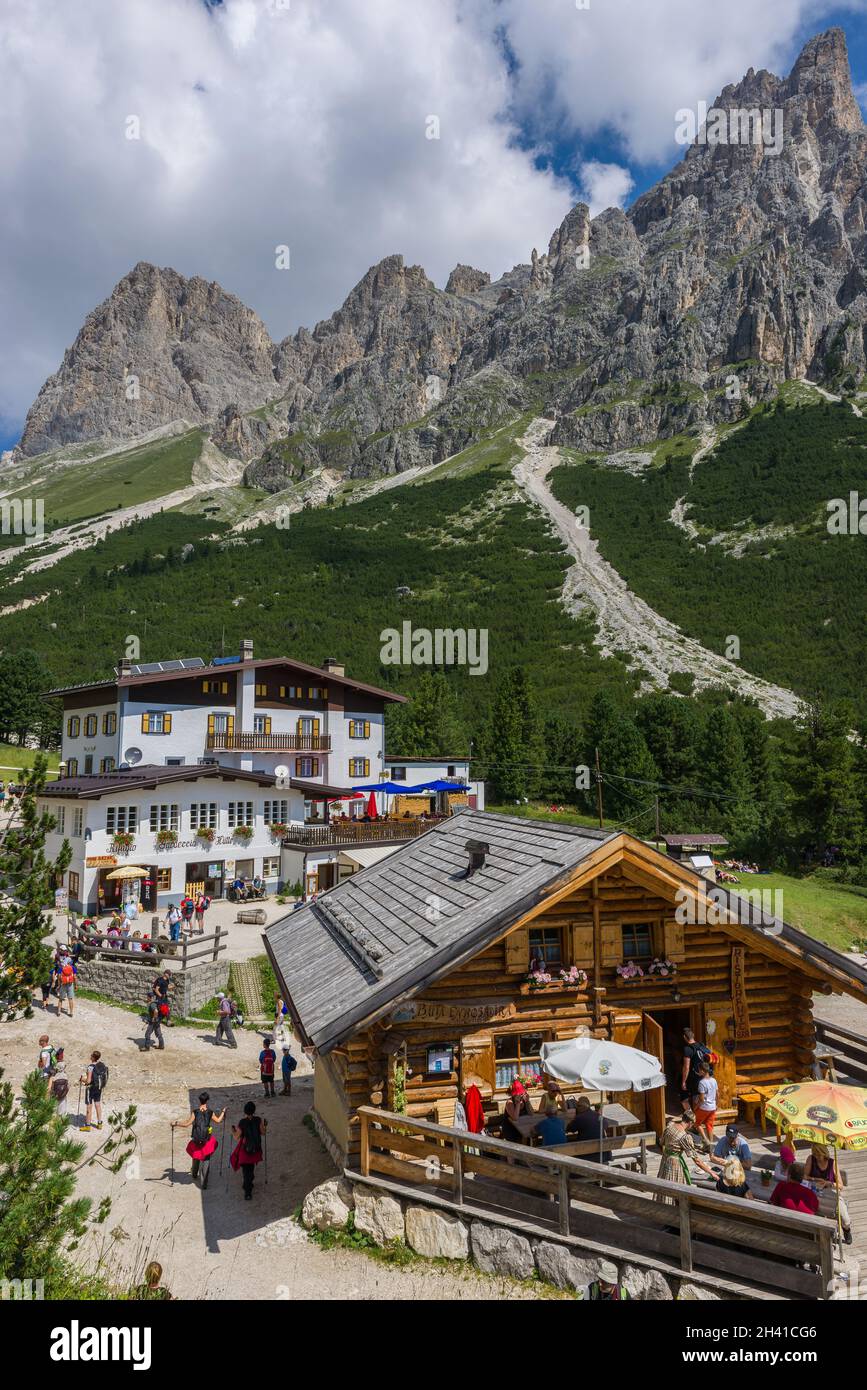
173 1156
80 1084
265 1143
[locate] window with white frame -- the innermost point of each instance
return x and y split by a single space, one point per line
240 813
271 867
90 724
60 816
359 728
359 767
276 812
120 819
77 822
164 816
203 815
156 721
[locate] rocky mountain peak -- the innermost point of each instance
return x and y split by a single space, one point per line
464 279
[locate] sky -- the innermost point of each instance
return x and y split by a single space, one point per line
205 134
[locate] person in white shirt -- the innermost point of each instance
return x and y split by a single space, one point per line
706 1103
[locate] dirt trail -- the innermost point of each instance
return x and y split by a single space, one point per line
626 622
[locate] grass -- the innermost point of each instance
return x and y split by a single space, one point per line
537 810
14 758
832 913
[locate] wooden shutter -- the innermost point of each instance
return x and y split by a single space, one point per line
145 723
299 728
674 937
314 764
518 951
297 767
315 728
282 692
212 722
612 943
477 1064
167 723
224 687
267 724
230 725
582 944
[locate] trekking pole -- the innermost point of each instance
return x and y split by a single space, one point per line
80 1083
265 1143
173 1156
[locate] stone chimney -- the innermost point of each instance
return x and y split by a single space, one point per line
124 666
247 649
333 666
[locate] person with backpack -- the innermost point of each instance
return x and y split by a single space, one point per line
188 907
695 1055
202 903
58 1089
267 1065
228 1012
203 1141
95 1079
247 1153
162 986
66 984
173 922
154 1026
288 1065
47 1060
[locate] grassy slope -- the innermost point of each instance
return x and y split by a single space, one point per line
13 756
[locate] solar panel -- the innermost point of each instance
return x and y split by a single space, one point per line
226 660
154 668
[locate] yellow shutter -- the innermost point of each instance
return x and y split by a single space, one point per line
167 723
314 763
367 767
267 724
582 944
230 725
367 728
675 939
518 951
297 767
282 692
205 687
224 687
145 723
315 728
612 944
298 728
212 721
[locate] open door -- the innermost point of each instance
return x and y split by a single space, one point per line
655 1100
717 1032
626 1028
477 1063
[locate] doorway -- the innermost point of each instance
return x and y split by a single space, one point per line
671 1023
205 877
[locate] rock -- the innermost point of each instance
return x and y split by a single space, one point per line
696 1293
379 1216
498 1250
437 1234
645 1284
282 1233
327 1207
464 279
560 1267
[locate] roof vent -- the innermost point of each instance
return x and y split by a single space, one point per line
124 666
247 649
477 851
333 666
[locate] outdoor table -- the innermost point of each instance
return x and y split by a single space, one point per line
616 1117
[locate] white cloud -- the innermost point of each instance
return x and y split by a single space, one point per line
605 185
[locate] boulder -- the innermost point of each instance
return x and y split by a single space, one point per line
560 1267
327 1207
379 1216
498 1250
696 1293
437 1234
646 1284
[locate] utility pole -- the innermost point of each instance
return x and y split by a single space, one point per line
599 791
656 806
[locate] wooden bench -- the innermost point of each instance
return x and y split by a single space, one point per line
627 1150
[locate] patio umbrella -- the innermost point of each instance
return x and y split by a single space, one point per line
371 806
823 1113
128 871
603 1066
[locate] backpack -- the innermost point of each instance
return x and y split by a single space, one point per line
61 1088
204 904
99 1072
202 1125
52 1060
267 1062
67 974
291 1063
702 1057
251 1130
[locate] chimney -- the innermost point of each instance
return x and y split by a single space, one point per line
333 666
247 649
477 851
124 666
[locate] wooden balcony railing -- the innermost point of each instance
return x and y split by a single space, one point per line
358 832
269 743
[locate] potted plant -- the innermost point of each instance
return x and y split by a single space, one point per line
278 829
630 971
244 832
206 833
166 839
662 967
539 979
573 978
124 839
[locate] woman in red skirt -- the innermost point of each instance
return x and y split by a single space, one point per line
203 1142
249 1133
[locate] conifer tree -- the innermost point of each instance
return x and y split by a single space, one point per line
513 751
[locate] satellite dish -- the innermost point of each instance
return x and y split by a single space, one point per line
281 771
132 756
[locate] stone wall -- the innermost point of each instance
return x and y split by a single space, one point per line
129 982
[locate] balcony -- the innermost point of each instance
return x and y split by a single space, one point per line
268 743
359 832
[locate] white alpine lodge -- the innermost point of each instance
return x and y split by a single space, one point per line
205 772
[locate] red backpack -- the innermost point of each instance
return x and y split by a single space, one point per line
268 1062
67 974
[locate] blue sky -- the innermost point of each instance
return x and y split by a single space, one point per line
262 123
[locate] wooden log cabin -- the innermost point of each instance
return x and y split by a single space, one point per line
412 979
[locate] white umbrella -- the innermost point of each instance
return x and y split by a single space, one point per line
603 1066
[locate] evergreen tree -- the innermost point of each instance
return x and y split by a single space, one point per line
564 752
624 759
826 778
513 746
430 724
733 810
24 678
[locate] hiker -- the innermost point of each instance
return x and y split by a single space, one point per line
47 1058
267 1063
280 1013
695 1055
173 922
154 1026
58 1089
202 903
95 1079
249 1132
606 1287
288 1065
188 907
228 1011
47 986
162 985
706 1104
66 985
151 1290
203 1141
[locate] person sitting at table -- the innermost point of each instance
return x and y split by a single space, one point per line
784 1163
793 1194
732 1181
552 1095
820 1170
516 1106
586 1124
551 1130
734 1145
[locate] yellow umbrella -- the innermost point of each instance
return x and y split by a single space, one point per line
128 871
822 1113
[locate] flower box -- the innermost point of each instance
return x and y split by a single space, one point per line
166 839
573 978
278 829
205 833
631 973
123 841
244 832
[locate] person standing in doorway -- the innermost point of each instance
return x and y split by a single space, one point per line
224 1023
693 1056
267 1066
203 1141
95 1080
249 1133
203 902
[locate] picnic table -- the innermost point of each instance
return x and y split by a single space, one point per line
616 1117
762 1192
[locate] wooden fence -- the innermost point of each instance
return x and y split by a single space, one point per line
849 1049
684 1227
177 953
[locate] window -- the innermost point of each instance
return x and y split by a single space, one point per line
397 774
73 726
164 817
88 764
240 813
107 765
72 767
215 687
74 884
275 812
359 767
261 723
164 880
156 722
77 822
109 723
440 1059
317 692
307 727
306 767
637 940
271 866
261 692
516 1054
291 692
546 947
119 819
359 728
60 817
174 762
203 815
451 772
90 723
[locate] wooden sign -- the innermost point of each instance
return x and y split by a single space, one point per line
101 861
457 1012
739 993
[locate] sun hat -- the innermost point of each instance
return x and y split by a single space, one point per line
608 1272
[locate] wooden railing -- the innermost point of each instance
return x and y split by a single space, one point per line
357 832
269 743
849 1049
684 1228
179 953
